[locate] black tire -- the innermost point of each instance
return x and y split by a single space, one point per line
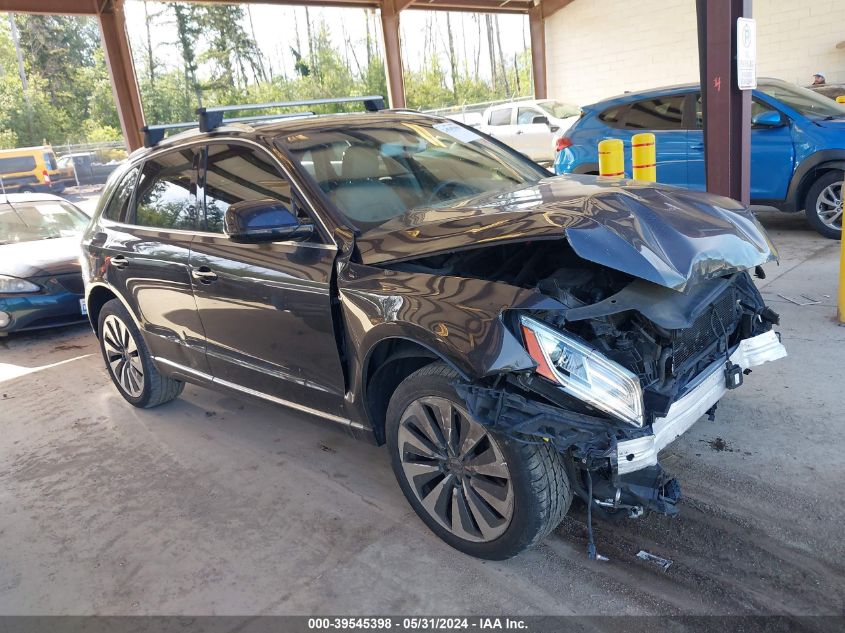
27 190
155 388
826 183
541 490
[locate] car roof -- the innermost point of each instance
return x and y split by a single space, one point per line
667 91
286 126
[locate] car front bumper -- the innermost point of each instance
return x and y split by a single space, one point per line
639 453
56 305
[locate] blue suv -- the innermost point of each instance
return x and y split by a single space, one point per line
797 144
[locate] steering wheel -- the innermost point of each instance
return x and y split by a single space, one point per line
448 189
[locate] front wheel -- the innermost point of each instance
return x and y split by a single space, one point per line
823 205
485 494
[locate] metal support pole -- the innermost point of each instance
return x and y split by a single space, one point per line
537 27
726 108
393 54
122 72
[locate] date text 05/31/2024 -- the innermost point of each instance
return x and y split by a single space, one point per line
416 623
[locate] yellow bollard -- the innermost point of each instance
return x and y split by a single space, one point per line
840 99
644 157
611 157
841 310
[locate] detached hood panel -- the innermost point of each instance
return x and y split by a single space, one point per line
666 235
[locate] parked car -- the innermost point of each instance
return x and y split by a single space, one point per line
530 126
30 170
40 278
85 167
515 339
797 144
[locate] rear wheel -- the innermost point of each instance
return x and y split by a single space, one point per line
129 362
823 205
485 494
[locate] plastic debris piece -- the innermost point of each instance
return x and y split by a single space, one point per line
665 563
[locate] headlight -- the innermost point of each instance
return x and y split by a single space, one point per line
13 285
583 372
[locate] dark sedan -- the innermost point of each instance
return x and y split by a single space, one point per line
40 279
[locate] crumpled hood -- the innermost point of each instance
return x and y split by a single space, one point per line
40 257
667 235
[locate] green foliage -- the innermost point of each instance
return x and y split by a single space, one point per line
213 61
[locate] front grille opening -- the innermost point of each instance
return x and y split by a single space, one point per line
706 330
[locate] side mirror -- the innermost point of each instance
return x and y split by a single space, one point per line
264 220
540 120
769 118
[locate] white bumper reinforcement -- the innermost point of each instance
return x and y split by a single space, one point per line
642 452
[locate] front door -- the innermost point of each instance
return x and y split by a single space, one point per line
533 139
266 308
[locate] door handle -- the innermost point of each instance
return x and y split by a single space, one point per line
204 274
119 261
518 132
698 147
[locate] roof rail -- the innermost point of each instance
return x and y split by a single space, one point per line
212 118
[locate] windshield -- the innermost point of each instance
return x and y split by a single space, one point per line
32 221
558 109
374 171
806 102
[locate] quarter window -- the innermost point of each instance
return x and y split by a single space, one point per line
119 202
166 195
660 113
235 173
500 117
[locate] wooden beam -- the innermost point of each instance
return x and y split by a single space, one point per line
124 83
393 54
550 7
53 7
537 28
726 108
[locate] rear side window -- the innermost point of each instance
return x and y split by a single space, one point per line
167 196
119 202
500 117
14 164
613 116
660 113
50 160
235 173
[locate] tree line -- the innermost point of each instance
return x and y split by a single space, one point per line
54 85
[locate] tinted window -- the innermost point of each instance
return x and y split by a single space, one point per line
17 163
757 107
166 195
49 160
526 116
660 113
500 117
120 200
235 173
612 116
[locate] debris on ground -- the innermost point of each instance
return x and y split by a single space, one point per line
807 300
665 563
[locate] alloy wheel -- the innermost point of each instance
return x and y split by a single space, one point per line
456 469
829 206
122 356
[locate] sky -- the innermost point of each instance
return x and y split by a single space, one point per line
274 31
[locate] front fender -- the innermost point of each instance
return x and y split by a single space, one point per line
457 318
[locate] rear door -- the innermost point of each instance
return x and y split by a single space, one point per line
663 116
266 308
147 256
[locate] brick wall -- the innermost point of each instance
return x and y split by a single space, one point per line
600 48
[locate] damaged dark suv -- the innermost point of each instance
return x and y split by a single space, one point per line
515 339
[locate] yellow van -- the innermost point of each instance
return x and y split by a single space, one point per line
30 169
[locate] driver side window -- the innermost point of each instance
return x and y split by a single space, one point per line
235 173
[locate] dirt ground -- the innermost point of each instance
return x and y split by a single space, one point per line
214 505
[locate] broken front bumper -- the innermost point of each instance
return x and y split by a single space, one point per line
639 453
